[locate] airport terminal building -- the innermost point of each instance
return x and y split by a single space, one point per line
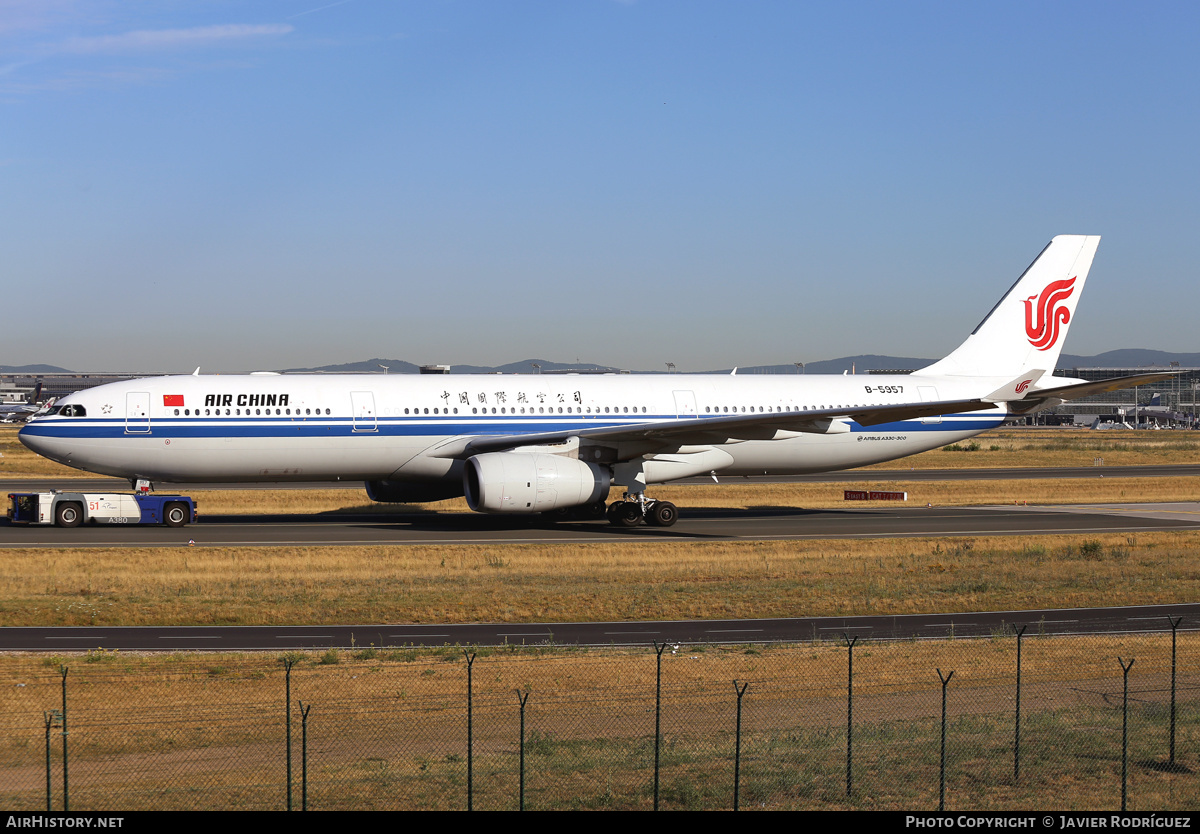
61 384
1170 402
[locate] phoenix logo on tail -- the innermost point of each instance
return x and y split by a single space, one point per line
1051 314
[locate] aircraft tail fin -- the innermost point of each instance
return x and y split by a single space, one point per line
1027 327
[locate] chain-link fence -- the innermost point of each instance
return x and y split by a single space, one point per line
1005 723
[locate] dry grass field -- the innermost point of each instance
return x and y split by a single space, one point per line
387 728
1038 446
580 582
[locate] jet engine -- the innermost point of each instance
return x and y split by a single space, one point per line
523 482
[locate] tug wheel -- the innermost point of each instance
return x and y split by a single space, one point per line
175 515
68 514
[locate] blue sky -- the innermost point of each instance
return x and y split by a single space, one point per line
243 185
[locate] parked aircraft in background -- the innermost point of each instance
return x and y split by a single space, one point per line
530 444
16 410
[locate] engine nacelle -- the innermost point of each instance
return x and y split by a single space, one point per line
522 482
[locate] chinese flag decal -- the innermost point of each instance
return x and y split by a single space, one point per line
172 399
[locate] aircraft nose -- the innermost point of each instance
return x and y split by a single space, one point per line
36 442
29 440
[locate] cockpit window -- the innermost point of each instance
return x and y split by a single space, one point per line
73 411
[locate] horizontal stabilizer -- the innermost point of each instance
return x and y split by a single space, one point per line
1016 389
1038 398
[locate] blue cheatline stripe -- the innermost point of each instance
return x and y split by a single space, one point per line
959 422
423 426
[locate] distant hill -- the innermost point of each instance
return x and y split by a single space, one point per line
369 366
399 366
1129 358
858 364
1122 358
32 369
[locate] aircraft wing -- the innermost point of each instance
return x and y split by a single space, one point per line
707 431
691 431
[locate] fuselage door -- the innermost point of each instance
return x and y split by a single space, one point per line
685 403
929 395
137 412
362 403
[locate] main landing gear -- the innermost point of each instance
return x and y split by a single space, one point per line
636 508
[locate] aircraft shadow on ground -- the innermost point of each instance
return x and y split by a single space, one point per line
466 522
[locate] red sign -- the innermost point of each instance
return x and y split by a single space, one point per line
172 399
874 495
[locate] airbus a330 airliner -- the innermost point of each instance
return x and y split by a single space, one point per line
532 444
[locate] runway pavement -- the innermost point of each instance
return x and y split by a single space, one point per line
694 525
852 476
386 528
1133 619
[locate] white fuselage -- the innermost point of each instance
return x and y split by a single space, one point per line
389 427
526 444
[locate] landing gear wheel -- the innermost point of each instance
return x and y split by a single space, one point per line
590 512
68 515
175 515
625 514
662 514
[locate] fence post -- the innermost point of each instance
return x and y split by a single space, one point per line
523 698
1125 732
49 723
1174 629
304 711
51 717
470 656
849 712
288 663
657 716
737 743
1017 730
66 791
942 782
